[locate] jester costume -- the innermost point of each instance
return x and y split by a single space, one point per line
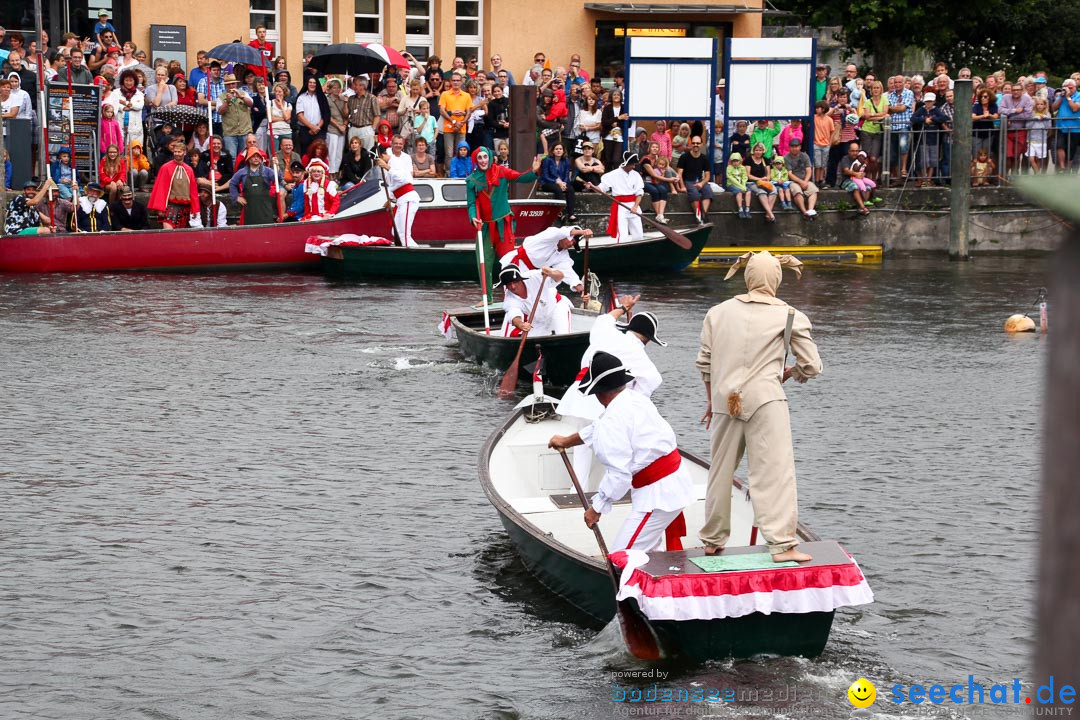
489 200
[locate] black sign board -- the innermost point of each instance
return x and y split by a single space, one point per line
170 38
86 103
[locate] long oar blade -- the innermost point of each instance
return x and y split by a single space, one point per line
638 633
675 237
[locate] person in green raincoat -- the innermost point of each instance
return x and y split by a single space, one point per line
489 205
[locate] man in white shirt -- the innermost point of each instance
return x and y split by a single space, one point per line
626 186
552 315
398 175
626 341
550 248
639 452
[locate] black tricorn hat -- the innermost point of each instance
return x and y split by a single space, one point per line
605 373
509 274
646 324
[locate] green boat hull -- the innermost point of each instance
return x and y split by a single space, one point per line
562 353
459 263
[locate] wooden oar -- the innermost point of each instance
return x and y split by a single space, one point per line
483 278
677 238
509 381
638 633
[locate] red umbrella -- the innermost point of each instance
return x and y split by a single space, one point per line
354 58
392 56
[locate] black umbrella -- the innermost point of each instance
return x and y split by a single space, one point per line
354 59
237 52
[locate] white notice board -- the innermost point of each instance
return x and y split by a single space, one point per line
670 91
768 90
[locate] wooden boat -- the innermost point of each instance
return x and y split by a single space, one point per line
562 353
443 217
531 490
457 261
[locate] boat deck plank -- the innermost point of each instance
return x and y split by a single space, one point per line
826 553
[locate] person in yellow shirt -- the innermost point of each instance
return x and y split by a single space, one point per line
454 106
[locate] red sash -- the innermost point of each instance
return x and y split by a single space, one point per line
523 257
613 218
659 469
406 188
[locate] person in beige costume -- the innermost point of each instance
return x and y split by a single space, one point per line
742 357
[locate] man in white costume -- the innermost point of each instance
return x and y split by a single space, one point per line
552 315
743 348
398 171
627 342
550 248
626 186
639 452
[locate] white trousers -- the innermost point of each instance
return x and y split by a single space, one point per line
404 216
643 530
335 144
366 135
629 226
555 321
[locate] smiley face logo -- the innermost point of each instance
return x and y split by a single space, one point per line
862 693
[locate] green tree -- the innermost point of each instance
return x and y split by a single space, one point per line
1020 35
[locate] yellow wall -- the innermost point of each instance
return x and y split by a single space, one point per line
516 31
218 22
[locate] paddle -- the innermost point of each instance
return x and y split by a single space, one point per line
638 633
483 278
509 381
677 238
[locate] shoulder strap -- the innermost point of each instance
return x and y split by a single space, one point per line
787 333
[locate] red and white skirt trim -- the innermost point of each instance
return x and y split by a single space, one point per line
713 596
317 244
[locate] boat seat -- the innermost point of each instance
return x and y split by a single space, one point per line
532 505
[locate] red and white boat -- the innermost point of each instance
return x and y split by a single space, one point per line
443 218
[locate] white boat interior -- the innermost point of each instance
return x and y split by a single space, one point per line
369 195
532 479
595 242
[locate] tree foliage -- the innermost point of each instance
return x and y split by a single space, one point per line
1018 35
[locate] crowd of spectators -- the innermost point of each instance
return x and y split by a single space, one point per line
583 125
1020 125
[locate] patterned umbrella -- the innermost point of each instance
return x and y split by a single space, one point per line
236 52
355 59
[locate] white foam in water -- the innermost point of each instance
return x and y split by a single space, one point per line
408 363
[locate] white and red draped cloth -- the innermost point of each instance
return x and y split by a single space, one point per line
318 245
714 596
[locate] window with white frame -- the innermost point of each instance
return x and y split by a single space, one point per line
367 23
265 12
468 29
316 24
418 28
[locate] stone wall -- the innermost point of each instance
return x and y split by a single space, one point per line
910 220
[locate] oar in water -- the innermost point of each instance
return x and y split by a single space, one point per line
509 381
677 238
638 633
483 278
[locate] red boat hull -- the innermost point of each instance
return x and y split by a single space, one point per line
237 248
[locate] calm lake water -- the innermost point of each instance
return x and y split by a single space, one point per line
256 496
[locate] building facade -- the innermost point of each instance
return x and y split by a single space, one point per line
513 29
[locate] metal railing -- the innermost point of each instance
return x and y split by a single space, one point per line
925 156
